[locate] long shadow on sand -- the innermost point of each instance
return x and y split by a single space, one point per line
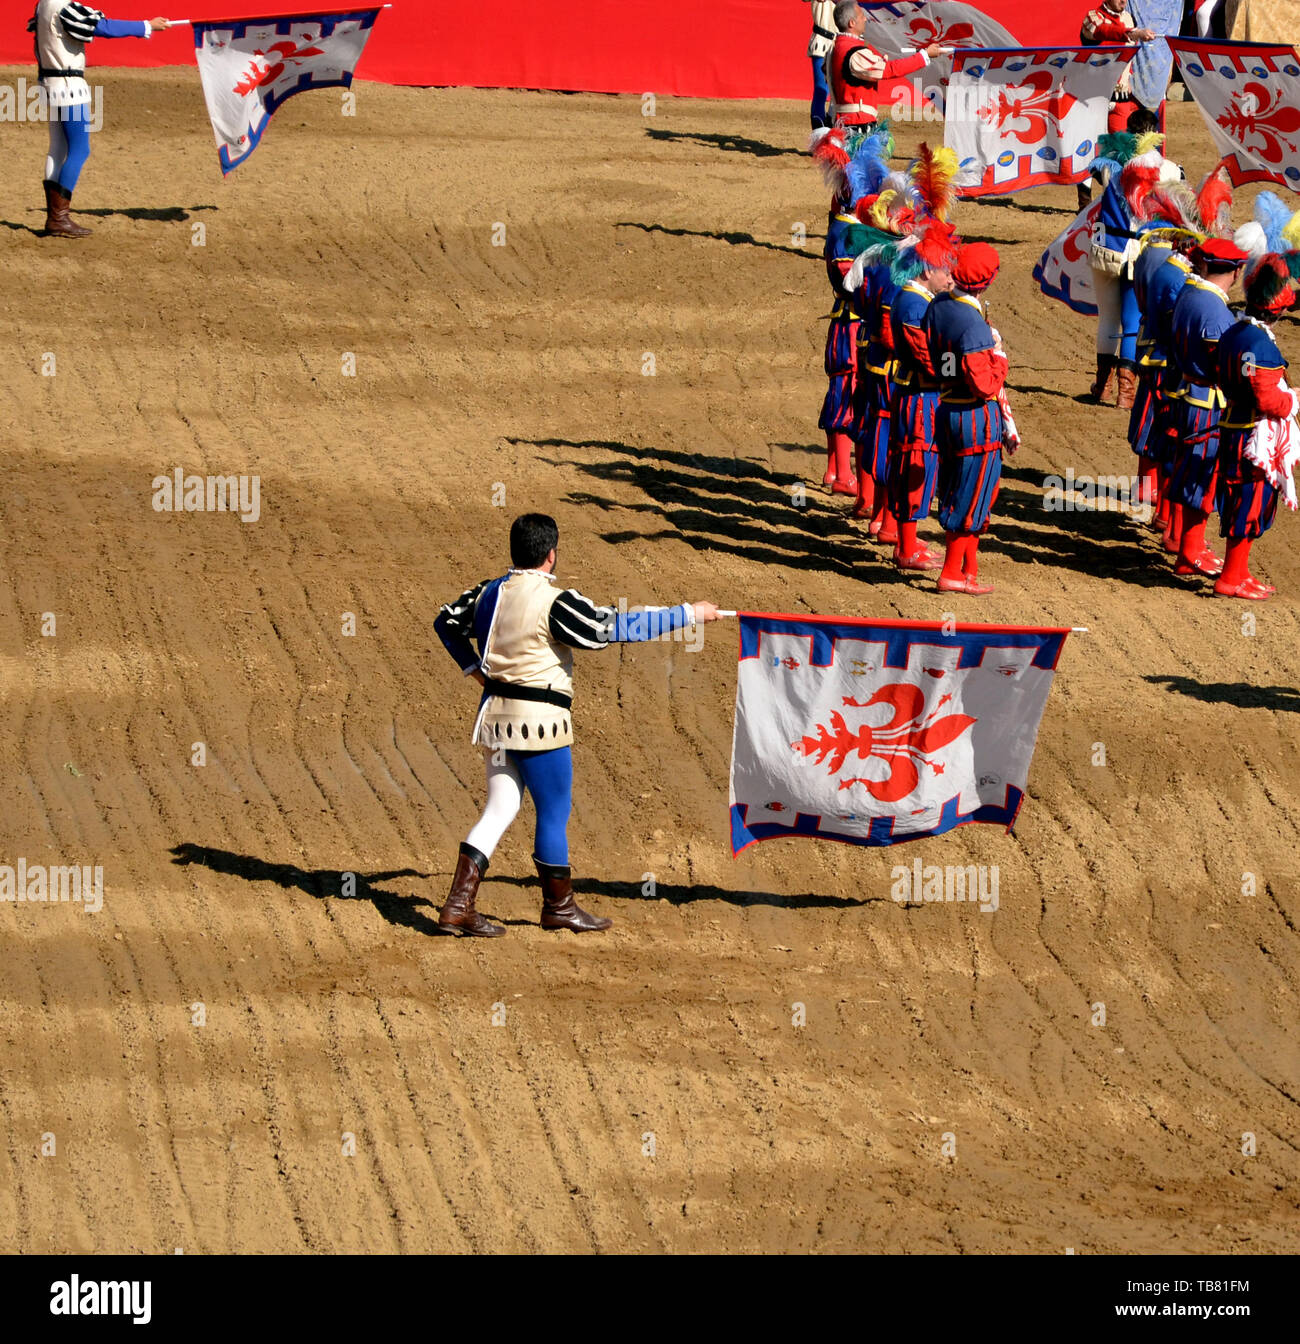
729 505
675 894
724 504
1239 693
733 238
406 911
735 144
165 214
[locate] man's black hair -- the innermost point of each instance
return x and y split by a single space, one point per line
1142 122
533 536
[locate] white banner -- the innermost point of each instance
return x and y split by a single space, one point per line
873 733
250 66
1027 118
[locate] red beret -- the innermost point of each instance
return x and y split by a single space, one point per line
977 266
1223 252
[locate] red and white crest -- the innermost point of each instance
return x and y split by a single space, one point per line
1020 119
1249 96
886 731
250 66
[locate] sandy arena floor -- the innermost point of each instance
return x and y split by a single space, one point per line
486 371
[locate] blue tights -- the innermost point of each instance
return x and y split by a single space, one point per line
69 145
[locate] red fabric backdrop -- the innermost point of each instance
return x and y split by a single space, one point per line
696 48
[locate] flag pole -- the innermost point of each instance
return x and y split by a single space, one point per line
177 22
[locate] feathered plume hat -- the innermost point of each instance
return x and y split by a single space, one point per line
1273 233
834 148
906 217
1270 287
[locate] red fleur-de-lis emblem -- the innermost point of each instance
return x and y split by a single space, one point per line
924 31
904 743
259 74
1261 114
1035 102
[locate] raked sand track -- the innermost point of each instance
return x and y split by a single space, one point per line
522 365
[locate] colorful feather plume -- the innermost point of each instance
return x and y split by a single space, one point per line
1268 283
867 169
1172 204
1291 234
1214 204
932 177
1273 216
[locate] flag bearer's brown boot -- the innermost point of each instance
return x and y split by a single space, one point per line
559 909
459 912
58 220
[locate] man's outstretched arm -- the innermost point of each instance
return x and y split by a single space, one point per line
581 624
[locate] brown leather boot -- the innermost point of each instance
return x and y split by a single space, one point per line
58 221
459 912
559 909
1106 365
1128 386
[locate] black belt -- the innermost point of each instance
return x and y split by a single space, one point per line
43 73
537 694
821 32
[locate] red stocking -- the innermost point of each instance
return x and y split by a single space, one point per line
954 558
1236 565
907 542
1193 543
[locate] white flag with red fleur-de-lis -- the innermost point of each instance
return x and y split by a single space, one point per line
250 66
877 732
1249 95
1018 119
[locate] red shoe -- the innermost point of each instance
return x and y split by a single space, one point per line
887 538
829 478
1207 563
924 559
849 487
1250 588
1170 545
970 586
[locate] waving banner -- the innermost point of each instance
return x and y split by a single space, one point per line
1064 271
1020 119
250 66
1249 95
1154 63
877 732
911 24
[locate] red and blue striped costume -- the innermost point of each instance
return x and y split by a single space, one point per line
1200 319
913 451
842 338
1159 275
1251 371
970 426
875 372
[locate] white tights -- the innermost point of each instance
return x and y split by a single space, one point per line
505 793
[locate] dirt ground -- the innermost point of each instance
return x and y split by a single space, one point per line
490 380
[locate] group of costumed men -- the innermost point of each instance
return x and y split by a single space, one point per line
917 375
916 404
1211 415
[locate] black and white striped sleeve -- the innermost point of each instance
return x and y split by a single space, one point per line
454 625
579 623
79 21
